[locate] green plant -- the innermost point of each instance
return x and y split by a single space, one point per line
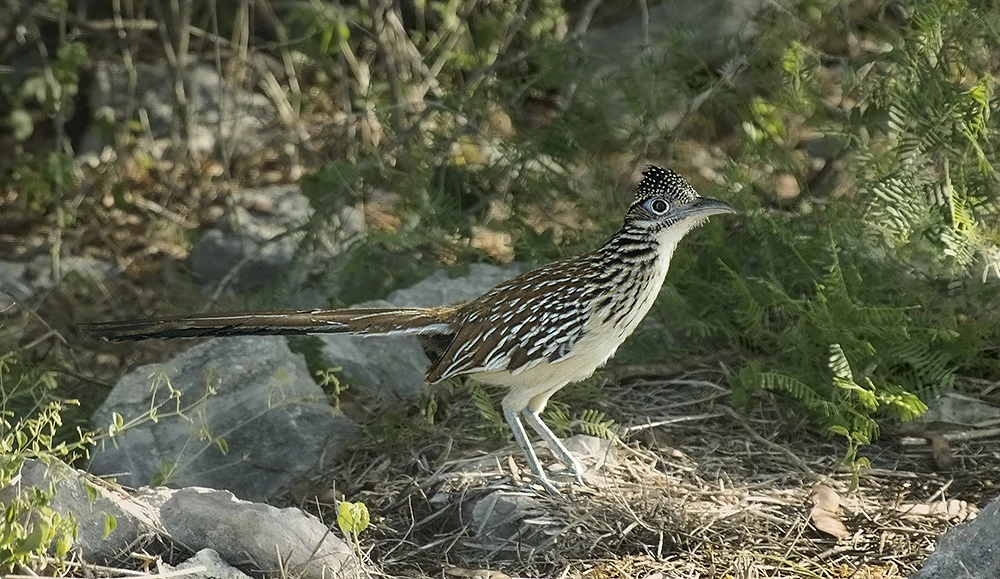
856 302
32 534
41 180
329 380
487 407
591 422
169 403
353 519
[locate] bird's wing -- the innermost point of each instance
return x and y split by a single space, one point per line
533 318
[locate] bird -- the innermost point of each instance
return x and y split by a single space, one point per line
533 334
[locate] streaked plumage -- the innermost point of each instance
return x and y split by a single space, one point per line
533 334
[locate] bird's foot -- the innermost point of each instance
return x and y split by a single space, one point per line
553 487
550 487
576 473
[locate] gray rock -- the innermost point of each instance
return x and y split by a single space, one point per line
969 550
257 242
502 519
988 263
595 454
385 368
207 564
442 289
134 519
252 535
225 530
712 29
955 408
258 397
518 522
712 32
393 368
226 118
14 286
251 392
23 281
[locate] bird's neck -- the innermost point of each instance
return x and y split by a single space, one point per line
641 250
637 248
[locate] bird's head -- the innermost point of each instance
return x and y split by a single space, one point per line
667 205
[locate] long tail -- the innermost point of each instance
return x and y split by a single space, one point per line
385 321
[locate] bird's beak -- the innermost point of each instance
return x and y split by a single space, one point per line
703 207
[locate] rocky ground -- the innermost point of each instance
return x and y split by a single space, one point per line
689 488
233 456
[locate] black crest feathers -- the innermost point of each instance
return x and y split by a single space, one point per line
659 181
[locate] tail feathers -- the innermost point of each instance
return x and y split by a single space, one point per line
376 321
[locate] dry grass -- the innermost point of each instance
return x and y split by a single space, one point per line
698 490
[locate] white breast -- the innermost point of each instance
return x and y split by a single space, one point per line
531 386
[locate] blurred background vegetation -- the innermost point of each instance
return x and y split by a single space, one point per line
858 139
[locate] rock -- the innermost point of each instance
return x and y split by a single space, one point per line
259 240
252 393
23 281
520 520
441 288
252 535
393 368
385 368
207 564
715 33
955 408
226 118
223 529
134 519
969 550
594 454
15 286
713 30
501 518
254 399
988 263
786 187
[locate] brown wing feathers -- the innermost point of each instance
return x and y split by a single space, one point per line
385 321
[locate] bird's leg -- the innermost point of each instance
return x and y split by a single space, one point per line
511 414
560 450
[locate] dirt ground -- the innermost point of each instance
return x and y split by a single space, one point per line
693 489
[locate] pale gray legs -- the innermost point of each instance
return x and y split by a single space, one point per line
521 437
562 453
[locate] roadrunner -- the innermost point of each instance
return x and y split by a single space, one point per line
533 334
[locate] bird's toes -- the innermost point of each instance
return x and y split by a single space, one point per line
551 488
575 471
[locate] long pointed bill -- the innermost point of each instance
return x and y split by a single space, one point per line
703 207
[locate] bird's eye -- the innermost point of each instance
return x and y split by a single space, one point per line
657 206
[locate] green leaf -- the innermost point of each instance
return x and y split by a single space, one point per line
33 542
21 124
92 492
110 524
839 430
353 518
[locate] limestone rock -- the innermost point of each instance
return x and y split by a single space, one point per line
252 420
969 551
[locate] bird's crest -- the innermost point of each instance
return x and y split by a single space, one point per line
659 181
